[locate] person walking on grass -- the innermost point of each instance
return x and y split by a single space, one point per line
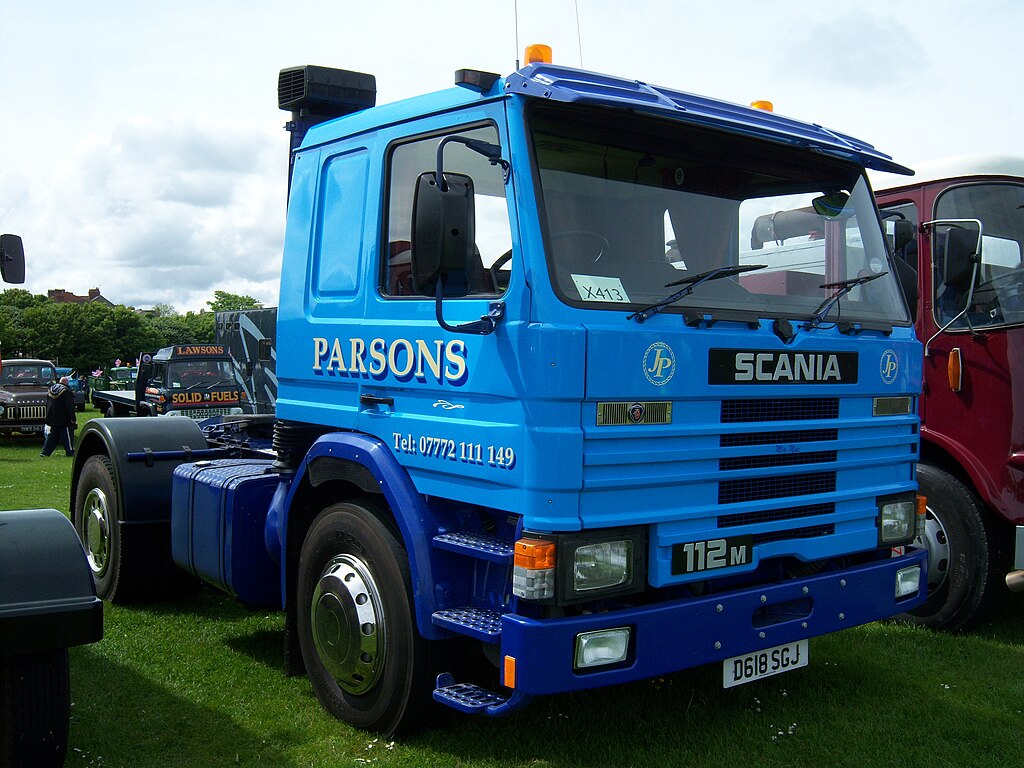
60 418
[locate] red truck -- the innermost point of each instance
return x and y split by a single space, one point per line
958 233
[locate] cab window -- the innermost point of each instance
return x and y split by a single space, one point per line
489 273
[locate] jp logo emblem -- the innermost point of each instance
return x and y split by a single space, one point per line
889 366
659 363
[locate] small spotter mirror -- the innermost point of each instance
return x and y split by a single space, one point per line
832 205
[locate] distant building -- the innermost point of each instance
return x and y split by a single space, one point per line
60 296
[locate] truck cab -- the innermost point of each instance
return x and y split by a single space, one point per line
193 380
561 381
958 232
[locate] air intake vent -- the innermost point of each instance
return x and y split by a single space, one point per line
324 91
778 438
760 488
777 409
733 463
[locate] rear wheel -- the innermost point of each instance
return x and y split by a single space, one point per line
96 515
962 566
356 624
35 707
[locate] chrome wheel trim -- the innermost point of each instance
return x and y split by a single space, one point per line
936 541
347 624
96 531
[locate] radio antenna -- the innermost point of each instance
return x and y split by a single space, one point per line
579 37
515 11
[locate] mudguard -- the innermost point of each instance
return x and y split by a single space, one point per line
370 464
144 485
47 595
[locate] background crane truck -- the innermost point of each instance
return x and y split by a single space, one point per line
958 230
536 398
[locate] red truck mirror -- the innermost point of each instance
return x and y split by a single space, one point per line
962 252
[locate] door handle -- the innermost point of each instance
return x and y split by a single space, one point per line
375 400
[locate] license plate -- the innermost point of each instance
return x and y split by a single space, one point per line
771 661
31 428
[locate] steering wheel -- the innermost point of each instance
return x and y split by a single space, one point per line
1017 274
602 241
495 269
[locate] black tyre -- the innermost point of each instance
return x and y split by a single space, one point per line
35 708
963 577
356 624
117 568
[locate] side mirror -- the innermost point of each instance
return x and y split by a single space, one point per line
12 259
443 233
962 252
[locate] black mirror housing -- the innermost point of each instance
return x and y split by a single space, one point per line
443 232
961 246
12 259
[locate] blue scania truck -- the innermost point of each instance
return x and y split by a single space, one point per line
559 392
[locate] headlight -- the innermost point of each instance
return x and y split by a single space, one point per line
897 520
602 647
604 565
908 581
590 565
1 410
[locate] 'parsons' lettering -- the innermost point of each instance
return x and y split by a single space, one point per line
786 366
401 358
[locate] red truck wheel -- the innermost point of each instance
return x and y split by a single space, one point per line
35 707
363 654
962 574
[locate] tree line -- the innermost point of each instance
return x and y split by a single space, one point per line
88 336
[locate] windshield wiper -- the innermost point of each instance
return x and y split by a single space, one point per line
689 286
844 287
220 382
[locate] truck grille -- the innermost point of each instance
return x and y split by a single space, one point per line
779 409
786 471
775 515
27 412
776 487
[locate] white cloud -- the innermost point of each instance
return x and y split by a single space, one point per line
160 213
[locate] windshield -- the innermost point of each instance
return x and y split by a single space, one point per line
634 205
25 375
123 374
199 374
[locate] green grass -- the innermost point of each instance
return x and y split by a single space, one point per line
200 683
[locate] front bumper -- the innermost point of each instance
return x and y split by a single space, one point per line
672 636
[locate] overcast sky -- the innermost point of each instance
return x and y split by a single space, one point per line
142 151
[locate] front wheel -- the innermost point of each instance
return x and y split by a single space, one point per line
363 654
962 573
